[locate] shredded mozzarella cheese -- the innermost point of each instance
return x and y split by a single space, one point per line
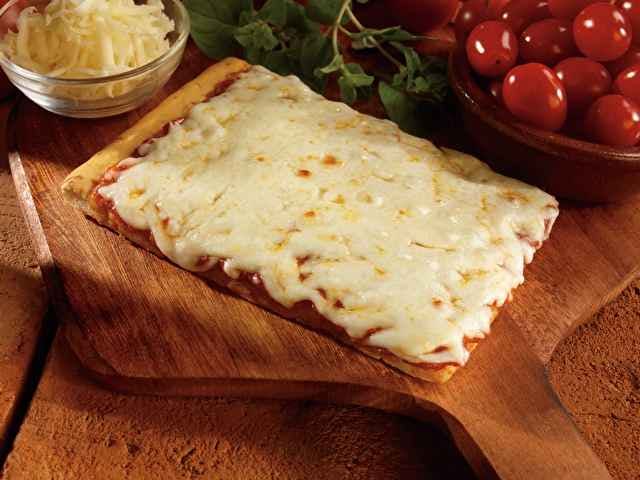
88 38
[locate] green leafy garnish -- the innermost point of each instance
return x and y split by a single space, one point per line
308 42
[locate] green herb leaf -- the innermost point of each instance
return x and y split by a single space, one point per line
224 11
324 11
356 75
315 49
401 108
216 42
256 35
348 91
336 64
297 18
277 61
366 37
274 12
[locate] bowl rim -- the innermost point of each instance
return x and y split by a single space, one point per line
473 97
174 49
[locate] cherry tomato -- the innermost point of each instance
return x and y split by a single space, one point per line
495 90
492 48
519 14
534 94
632 57
419 16
568 9
614 120
471 14
628 83
584 80
631 10
547 41
495 7
602 32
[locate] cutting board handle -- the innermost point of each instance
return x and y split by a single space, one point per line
510 424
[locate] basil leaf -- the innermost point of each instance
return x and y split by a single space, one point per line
324 11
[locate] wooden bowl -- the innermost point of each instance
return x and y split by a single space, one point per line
563 166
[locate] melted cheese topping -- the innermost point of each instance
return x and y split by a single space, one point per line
404 245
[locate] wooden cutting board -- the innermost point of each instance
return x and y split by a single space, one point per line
141 325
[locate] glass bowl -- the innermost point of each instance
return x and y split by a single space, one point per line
101 96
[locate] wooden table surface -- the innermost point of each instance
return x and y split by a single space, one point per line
75 429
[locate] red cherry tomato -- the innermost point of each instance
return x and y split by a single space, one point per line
496 6
631 10
632 57
419 16
602 32
519 14
628 83
534 94
568 9
471 14
492 48
614 120
584 80
495 90
547 41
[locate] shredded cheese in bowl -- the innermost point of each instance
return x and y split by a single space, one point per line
78 39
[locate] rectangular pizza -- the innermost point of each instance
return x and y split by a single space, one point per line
328 217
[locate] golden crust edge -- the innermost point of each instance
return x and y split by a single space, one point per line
77 186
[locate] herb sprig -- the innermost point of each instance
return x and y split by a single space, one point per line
307 41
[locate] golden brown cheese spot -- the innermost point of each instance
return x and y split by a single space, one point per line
322 292
330 160
310 214
136 193
468 275
364 197
437 302
303 173
303 276
339 200
380 271
260 158
514 196
338 304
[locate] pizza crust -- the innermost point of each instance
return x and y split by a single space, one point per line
77 186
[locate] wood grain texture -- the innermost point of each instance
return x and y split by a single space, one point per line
22 299
141 325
